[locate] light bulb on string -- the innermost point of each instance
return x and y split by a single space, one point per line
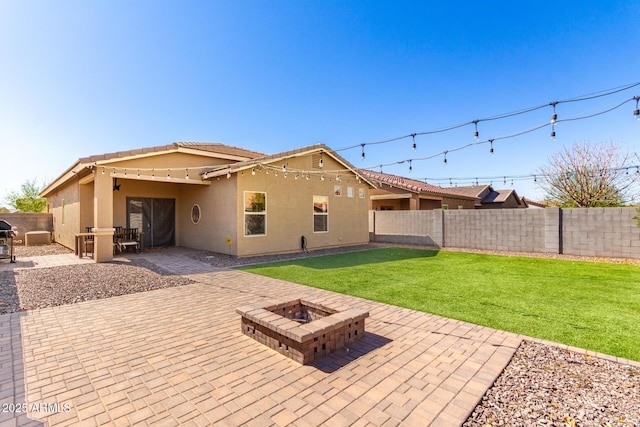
554 116
636 112
186 174
153 174
102 171
253 171
410 167
491 147
476 134
445 158
320 163
125 173
138 176
169 174
228 174
414 147
362 155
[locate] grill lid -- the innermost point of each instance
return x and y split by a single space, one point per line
6 227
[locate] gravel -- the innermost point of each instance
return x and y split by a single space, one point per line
40 250
541 386
54 286
549 386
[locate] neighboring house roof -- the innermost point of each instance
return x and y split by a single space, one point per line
268 159
217 150
413 185
487 195
473 190
533 203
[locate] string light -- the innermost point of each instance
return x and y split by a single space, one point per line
414 147
125 173
554 119
410 167
362 155
102 171
138 176
445 158
321 163
229 173
153 174
475 133
169 174
253 171
186 175
636 112
491 147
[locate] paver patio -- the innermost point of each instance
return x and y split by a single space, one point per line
176 356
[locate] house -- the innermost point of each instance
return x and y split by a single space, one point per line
393 192
533 204
488 198
213 197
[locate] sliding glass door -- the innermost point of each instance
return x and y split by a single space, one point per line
155 217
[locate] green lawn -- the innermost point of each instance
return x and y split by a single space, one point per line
588 305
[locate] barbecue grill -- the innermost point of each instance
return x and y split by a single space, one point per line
7 234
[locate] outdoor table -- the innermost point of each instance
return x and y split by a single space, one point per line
81 239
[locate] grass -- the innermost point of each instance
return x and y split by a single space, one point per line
588 305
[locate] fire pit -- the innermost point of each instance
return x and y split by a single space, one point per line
302 330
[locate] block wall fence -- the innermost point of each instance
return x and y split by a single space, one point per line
600 232
25 222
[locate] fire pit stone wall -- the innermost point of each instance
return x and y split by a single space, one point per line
301 329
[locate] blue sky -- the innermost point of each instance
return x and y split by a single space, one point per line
81 78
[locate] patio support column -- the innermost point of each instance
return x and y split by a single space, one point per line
103 217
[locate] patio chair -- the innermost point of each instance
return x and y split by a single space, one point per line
129 239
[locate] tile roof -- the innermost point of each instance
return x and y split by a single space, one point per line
472 190
316 148
413 185
201 146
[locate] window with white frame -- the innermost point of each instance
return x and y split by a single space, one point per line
320 214
255 213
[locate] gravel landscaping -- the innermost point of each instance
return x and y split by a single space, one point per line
548 386
542 385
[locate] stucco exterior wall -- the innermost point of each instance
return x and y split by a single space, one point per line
218 211
290 210
64 205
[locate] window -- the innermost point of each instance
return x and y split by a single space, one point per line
320 214
349 191
445 206
255 213
362 193
337 190
195 214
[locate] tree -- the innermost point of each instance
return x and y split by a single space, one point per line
27 200
589 175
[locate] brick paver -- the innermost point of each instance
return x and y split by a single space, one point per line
176 356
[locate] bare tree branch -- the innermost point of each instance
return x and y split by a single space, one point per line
589 175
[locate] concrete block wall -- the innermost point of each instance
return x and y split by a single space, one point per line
404 227
601 232
605 232
519 230
25 222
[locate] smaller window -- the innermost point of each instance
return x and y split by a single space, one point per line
337 190
362 193
445 207
349 191
195 213
320 214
